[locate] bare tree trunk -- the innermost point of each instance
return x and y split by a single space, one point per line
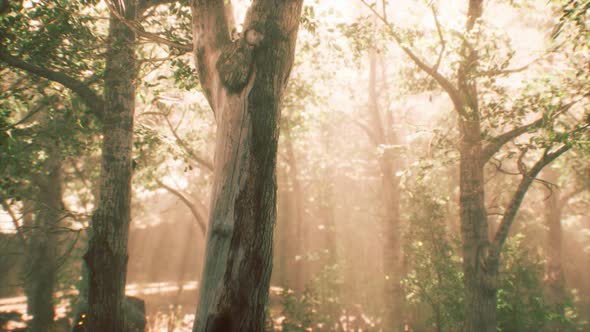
190 236
392 255
300 238
238 259
554 278
43 243
283 234
326 199
106 257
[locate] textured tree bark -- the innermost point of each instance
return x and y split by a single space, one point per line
43 243
238 259
479 279
106 257
480 273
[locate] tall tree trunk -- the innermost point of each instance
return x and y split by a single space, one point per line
43 243
480 278
283 234
480 256
106 257
190 235
392 255
300 235
326 199
554 278
238 259
480 288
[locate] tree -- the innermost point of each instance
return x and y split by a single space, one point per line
477 147
110 222
557 198
245 95
39 148
106 257
51 127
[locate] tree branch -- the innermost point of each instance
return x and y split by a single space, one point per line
135 27
201 160
146 4
370 133
195 212
517 198
444 83
14 219
210 33
27 116
443 44
496 143
513 70
194 155
94 102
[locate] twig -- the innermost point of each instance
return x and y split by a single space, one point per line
198 216
36 110
15 223
196 157
449 88
443 43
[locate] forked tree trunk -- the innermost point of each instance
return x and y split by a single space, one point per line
106 257
481 256
238 260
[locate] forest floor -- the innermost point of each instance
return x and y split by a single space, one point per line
168 307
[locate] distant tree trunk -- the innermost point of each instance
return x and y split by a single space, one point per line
585 291
326 199
43 242
283 232
238 259
383 137
299 238
555 292
189 236
106 257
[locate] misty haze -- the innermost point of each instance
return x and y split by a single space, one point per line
291 165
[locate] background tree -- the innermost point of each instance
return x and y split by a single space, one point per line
51 128
476 148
